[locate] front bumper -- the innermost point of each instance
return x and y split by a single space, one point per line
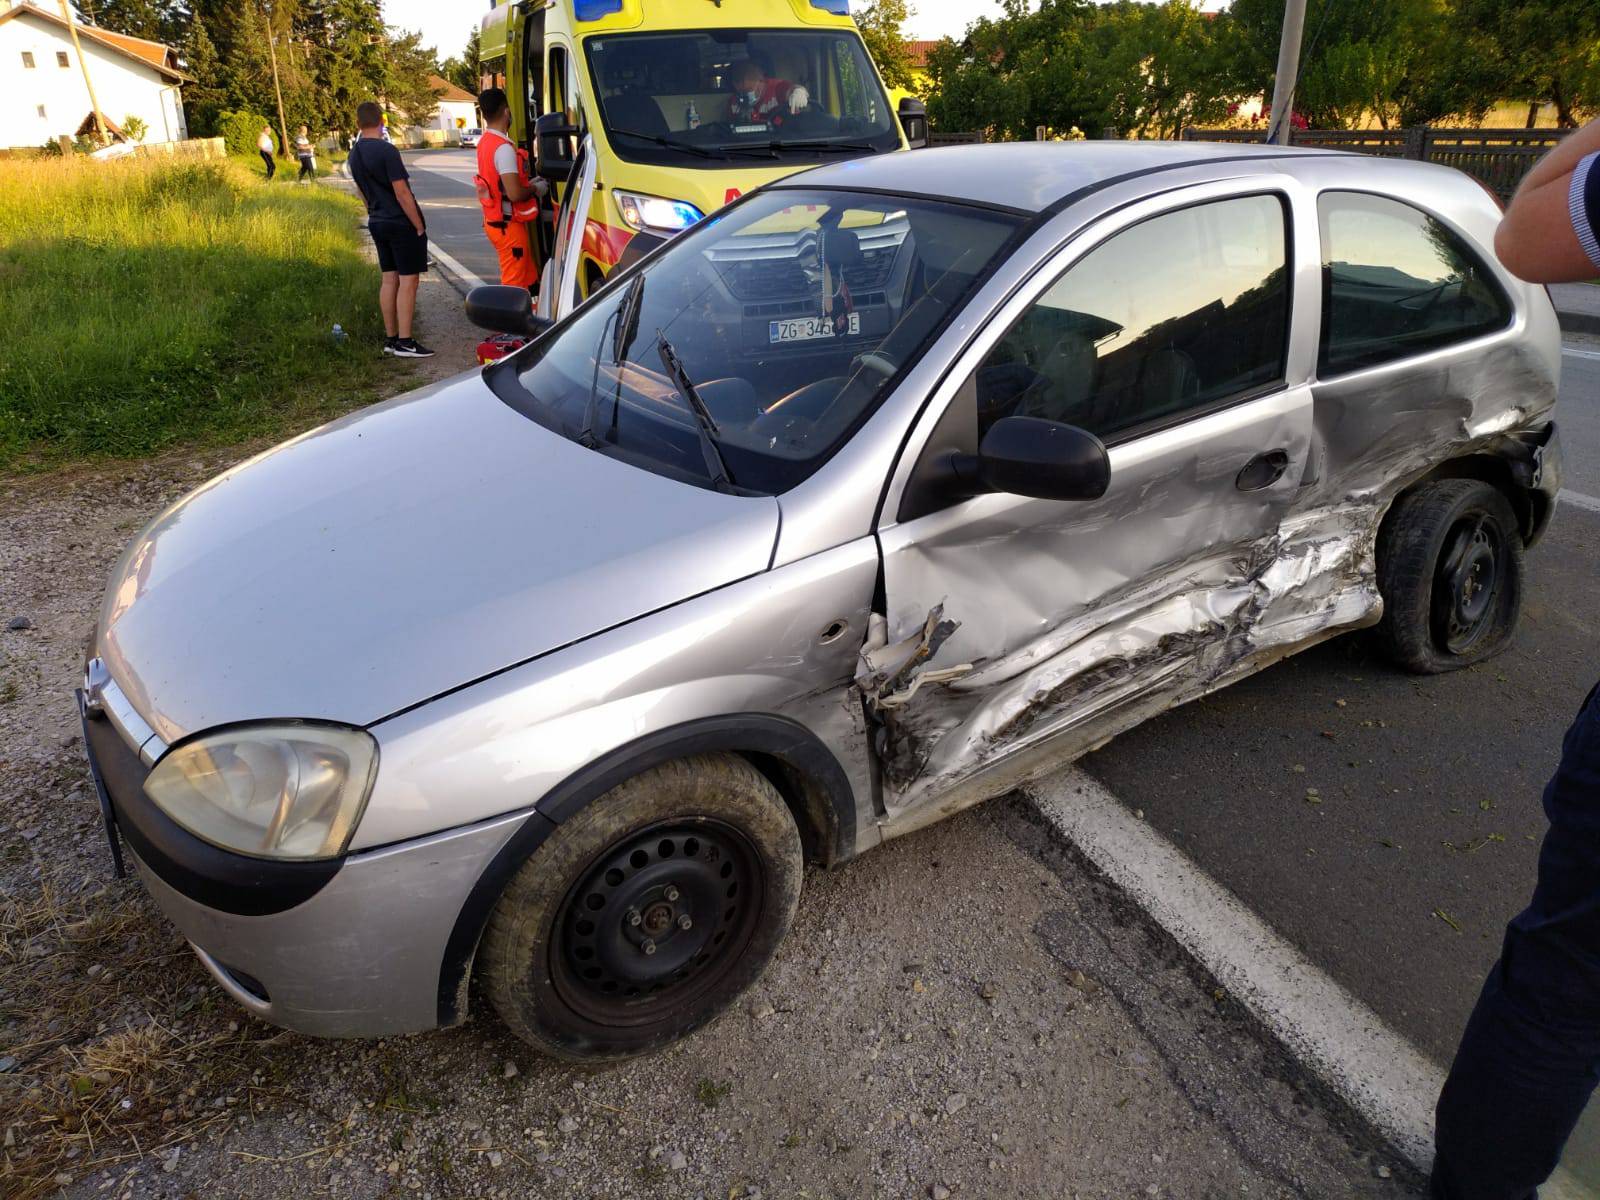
353 948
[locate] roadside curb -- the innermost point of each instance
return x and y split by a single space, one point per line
456 275
1330 1032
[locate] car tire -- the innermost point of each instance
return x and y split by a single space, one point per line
1450 570
586 956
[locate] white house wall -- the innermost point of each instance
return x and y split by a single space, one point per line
123 86
450 111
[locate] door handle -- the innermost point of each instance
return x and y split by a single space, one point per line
1263 470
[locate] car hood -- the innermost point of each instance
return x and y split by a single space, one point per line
398 553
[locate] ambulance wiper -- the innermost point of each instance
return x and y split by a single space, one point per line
704 423
675 143
821 144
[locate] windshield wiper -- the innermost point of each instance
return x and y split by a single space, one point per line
819 144
623 322
675 143
704 423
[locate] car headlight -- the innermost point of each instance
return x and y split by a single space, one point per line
652 214
272 791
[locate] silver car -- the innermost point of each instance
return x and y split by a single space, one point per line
884 488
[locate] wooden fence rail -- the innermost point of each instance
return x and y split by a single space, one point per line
1497 157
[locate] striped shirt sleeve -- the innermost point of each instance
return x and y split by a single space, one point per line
1583 202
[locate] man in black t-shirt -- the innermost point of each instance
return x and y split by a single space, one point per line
397 228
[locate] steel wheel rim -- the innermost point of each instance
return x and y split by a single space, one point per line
1467 582
622 952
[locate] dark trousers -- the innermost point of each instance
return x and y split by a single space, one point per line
307 171
1530 1056
272 167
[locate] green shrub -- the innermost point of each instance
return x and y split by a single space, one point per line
240 130
134 128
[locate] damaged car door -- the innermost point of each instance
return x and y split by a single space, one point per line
1010 619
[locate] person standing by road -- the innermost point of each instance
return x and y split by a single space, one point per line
510 200
397 228
306 153
265 145
1530 1057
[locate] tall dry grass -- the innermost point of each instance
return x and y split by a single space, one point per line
151 302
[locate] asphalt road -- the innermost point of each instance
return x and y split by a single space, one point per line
1423 838
442 183
1423 841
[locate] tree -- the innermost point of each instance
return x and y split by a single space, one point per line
882 23
407 87
465 70
246 66
203 97
1539 50
157 20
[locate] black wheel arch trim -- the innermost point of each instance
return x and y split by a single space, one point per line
796 761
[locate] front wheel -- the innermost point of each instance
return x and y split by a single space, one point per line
647 913
1450 568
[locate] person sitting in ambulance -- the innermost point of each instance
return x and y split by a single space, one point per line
757 99
509 198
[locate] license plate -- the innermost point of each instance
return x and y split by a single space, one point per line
808 329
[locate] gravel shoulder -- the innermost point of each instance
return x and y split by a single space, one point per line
967 1011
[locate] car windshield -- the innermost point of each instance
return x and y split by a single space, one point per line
739 95
754 345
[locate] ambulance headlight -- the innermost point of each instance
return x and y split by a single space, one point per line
652 214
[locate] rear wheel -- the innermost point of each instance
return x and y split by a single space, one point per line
647 913
1450 567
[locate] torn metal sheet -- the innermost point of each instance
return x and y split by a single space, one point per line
1080 621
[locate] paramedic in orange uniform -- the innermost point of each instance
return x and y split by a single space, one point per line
509 198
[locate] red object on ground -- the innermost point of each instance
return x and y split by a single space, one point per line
492 349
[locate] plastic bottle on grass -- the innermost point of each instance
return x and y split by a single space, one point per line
338 332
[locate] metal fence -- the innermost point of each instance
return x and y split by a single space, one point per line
1497 157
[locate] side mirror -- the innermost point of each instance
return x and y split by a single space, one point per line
552 147
914 120
504 309
1027 456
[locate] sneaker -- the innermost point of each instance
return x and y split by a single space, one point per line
408 348
388 344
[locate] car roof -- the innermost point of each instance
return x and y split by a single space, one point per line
1033 176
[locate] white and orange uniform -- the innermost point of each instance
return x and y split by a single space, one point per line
505 223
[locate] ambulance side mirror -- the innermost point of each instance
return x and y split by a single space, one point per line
914 120
503 309
552 147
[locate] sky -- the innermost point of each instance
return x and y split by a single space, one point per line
445 26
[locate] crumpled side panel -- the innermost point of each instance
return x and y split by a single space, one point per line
1207 616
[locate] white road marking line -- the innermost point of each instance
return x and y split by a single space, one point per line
454 267
1332 1033
1579 500
1592 354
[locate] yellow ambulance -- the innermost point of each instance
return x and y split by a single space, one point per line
648 115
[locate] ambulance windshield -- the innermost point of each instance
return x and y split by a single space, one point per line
739 96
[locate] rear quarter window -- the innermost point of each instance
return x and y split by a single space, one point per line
1397 283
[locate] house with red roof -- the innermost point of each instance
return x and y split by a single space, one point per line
42 90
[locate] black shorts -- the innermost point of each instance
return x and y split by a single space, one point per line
400 247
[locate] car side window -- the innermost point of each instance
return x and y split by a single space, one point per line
1396 282
1175 315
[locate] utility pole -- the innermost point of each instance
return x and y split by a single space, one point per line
272 53
1294 27
72 28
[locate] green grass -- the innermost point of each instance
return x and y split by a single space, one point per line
153 303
